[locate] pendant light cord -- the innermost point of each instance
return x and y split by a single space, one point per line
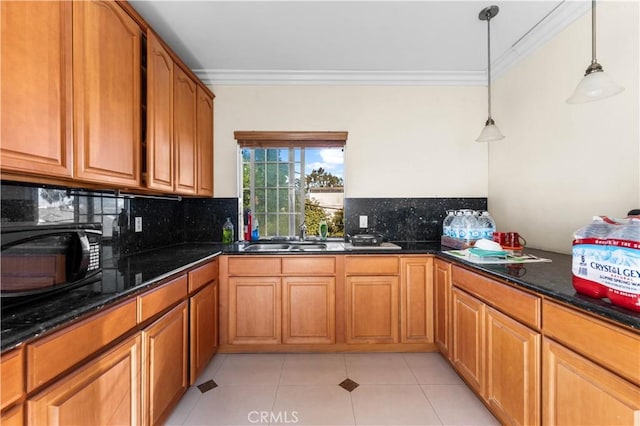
593 32
489 62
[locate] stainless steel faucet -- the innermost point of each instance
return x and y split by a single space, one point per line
303 231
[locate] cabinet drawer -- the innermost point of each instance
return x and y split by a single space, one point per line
518 304
309 265
12 371
199 277
252 265
604 343
372 265
159 299
54 354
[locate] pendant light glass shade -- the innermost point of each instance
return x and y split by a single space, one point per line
595 84
490 132
593 87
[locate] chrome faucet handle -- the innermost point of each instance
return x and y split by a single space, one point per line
303 230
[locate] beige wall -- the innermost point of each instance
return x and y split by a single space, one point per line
562 164
403 141
559 165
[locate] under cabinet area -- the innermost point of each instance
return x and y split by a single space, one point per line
442 306
372 299
279 300
496 344
127 364
12 387
326 303
105 391
203 317
591 358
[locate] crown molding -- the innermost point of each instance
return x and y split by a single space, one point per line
348 78
561 17
564 15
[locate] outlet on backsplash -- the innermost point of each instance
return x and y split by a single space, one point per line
364 221
138 224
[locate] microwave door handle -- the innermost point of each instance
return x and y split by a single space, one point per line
78 261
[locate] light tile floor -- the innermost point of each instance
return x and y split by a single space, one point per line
302 389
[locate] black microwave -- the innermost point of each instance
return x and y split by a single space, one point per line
42 259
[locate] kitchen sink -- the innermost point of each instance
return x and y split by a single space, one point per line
293 246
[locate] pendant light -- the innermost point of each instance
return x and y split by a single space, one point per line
490 132
595 84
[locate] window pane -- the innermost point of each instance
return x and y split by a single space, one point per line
259 179
279 197
272 175
109 205
272 200
259 200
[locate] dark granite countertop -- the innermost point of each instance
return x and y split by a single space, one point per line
552 279
121 278
127 275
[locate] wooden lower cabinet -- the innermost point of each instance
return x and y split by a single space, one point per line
372 309
442 306
203 319
580 392
468 338
13 416
254 310
308 310
499 357
165 360
416 299
512 370
106 391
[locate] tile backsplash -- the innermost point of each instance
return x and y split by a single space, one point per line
165 220
174 220
405 219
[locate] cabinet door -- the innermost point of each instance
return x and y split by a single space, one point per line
106 73
442 302
512 370
372 309
205 142
579 392
13 417
36 129
254 310
416 300
184 126
159 116
203 315
165 363
468 338
106 391
308 310
12 377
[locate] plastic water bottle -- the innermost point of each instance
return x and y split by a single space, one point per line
456 229
487 225
446 224
471 226
227 232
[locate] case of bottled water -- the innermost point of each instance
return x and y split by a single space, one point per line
606 261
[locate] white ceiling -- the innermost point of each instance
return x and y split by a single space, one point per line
353 42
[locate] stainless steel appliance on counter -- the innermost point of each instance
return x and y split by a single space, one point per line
41 259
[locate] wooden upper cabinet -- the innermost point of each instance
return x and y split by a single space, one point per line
205 142
184 92
106 70
160 150
36 126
